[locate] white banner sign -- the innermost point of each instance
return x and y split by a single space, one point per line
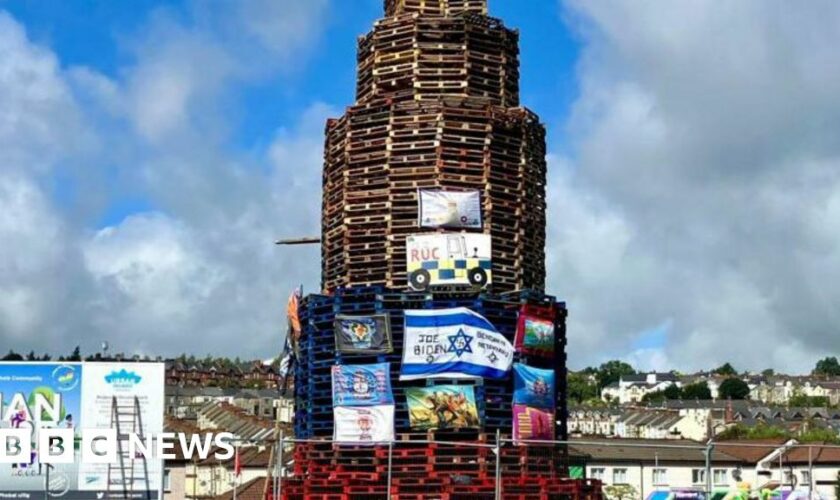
459 209
453 343
363 424
101 383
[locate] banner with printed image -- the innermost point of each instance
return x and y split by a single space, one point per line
442 407
535 330
532 424
455 209
363 334
363 424
533 387
362 385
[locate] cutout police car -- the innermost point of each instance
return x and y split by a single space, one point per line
448 259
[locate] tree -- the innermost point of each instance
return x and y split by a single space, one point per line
804 401
768 372
31 356
670 392
734 388
759 431
12 356
612 371
595 403
763 431
726 369
817 435
620 492
76 355
579 387
654 397
697 390
828 367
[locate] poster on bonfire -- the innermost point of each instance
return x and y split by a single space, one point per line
533 386
363 424
535 331
532 424
362 385
442 407
363 334
456 209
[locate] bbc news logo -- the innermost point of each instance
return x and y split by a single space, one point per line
102 446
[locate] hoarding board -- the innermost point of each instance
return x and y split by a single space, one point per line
80 396
455 209
448 259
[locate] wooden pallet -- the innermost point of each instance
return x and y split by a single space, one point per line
392 150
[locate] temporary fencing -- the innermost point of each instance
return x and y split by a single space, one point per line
414 467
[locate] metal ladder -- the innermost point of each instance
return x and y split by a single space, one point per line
126 418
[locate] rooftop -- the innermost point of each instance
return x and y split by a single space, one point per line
647 450
751 450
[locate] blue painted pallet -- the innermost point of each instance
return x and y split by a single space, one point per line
366 307
351 291
493 398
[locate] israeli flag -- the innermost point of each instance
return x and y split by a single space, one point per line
453 343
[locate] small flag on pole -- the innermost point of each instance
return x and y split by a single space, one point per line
237 471
237 464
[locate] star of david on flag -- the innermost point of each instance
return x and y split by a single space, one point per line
460 343
453 343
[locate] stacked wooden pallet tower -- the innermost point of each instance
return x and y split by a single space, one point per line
437 108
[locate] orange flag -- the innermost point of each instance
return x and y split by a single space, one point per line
292 314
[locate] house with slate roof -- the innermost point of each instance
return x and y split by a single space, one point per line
632 388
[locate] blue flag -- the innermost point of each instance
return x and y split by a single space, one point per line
362 385
533 387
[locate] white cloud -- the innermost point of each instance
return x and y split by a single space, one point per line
703 133
32 249
651 359
153 261
198 274
38 117
285 28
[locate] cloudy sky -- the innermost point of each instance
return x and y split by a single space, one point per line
151 151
